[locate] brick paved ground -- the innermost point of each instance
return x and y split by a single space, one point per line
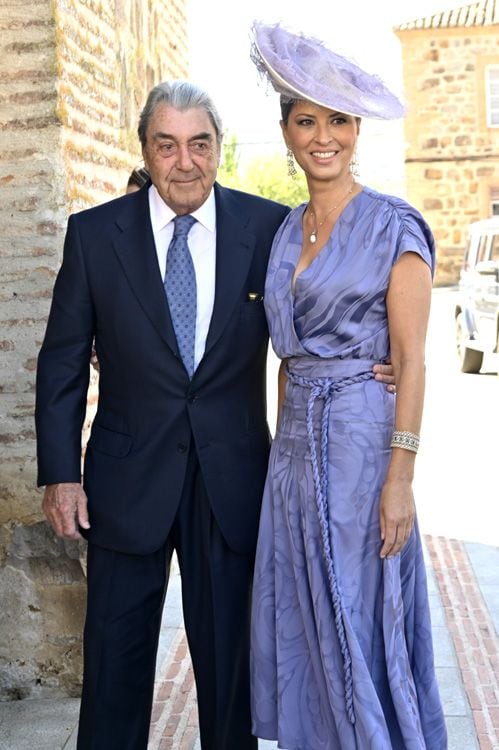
467 620
472 630
174 721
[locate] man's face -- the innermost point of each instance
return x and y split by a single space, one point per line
182 155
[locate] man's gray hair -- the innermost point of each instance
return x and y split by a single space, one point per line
181 95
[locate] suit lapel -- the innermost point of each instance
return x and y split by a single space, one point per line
234 252
136 252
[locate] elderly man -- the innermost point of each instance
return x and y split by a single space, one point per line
169 280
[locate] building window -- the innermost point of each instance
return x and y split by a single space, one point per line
494 252
494 201
492 89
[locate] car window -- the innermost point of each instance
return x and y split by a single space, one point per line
482 248
494 250
470 252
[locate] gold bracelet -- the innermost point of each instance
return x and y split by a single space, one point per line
409 441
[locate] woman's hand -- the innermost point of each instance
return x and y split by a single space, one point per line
396 514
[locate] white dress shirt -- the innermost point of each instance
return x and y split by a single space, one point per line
202 246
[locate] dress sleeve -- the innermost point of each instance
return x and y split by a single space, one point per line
415 236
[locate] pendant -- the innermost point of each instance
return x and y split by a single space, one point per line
313 238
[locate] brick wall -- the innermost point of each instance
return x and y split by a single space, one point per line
73 78
452 157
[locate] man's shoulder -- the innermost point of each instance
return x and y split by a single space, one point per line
115 207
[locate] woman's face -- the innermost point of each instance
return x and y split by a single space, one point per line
322 140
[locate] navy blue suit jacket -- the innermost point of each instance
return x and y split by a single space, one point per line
109 287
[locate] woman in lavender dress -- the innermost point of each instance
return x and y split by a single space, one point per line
341 638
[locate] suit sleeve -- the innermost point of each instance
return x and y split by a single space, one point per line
63 368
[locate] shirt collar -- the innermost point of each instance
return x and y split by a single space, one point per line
162 214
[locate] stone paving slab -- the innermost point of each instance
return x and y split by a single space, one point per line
38 724
485 562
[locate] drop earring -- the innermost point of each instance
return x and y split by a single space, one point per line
354 165
291 163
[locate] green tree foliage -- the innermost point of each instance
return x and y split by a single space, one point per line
228 171
268 177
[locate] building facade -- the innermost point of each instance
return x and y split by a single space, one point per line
451 79
74 75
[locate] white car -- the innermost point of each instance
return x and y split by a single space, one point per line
477 313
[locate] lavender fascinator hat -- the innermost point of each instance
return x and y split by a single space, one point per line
300 67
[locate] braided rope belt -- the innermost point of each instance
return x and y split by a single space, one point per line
325 388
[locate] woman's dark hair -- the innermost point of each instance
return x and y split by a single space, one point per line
138 177
286 107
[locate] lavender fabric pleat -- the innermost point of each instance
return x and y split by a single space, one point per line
341 655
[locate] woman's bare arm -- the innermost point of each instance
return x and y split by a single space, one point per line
408 304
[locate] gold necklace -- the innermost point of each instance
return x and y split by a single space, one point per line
313 234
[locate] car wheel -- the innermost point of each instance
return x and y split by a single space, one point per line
470 360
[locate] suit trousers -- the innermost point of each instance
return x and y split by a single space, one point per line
124 607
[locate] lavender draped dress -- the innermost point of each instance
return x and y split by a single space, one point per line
342 654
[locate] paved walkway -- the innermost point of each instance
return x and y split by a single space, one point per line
464 595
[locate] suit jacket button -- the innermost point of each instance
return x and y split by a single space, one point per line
191 398
181 447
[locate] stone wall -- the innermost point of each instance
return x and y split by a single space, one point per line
73 77
452 157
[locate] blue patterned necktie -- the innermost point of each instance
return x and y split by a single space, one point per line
180 288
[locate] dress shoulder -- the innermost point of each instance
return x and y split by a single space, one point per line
413 234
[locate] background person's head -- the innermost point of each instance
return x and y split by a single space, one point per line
180 132
138 178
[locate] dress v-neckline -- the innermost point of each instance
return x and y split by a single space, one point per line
329 241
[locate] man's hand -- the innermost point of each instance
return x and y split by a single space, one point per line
384 374
65 506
